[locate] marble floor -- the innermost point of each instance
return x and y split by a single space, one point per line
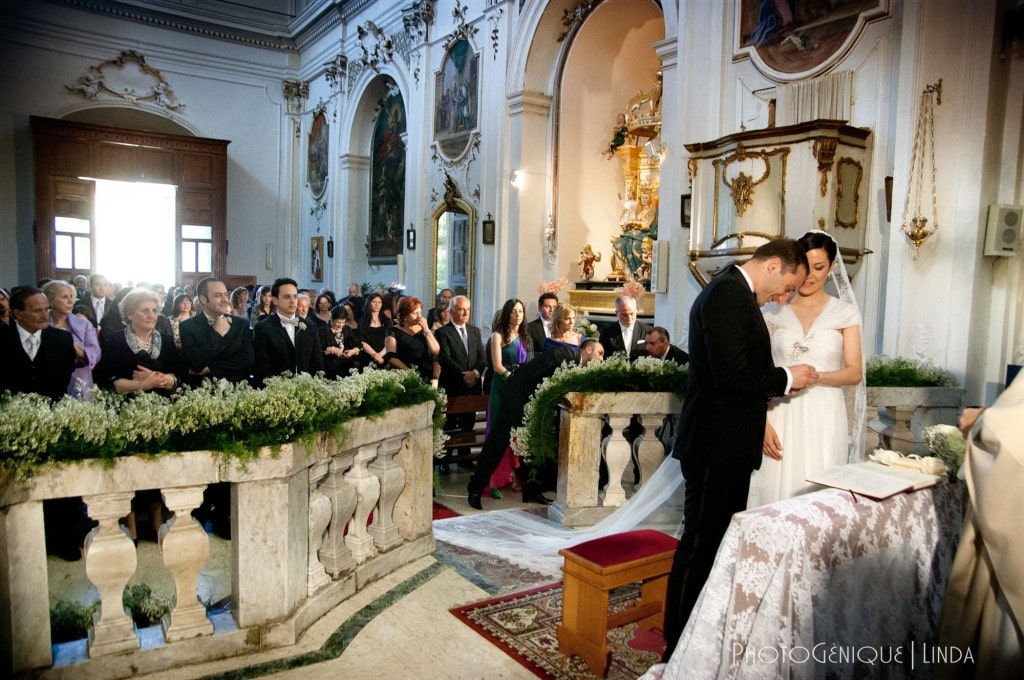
397 627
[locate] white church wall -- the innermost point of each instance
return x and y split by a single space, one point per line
230 91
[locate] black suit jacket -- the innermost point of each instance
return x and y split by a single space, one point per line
48 374
274 353
731 379
454 358
611 339
229 356
677 355
111 314
536 330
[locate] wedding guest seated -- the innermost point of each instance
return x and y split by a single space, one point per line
303 311
323 306
215 343
240 302
352 320
139 358
37 357
442 317
443 303
181 310
373 331
262 306
61 296
5 307
409 343
628 335
282 342
341 344
659 347
563 321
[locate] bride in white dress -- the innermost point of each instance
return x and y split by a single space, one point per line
809 432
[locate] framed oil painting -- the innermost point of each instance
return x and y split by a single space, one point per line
387 176
791 38
456 98
316 174
316 258
487 229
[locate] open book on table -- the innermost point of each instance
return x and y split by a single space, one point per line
873 480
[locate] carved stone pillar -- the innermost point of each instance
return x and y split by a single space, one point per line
319 518
392 480
334 554
616 456
649 449
185 548
110 560
367 488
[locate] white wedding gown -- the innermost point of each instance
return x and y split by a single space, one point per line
812 425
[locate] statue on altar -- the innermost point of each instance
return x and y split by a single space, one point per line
586 262
639 221
618 135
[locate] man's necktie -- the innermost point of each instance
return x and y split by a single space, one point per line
31 346
465 340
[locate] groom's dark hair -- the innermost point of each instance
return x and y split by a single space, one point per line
786 249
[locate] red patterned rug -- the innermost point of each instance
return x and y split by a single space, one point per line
523 626
441 512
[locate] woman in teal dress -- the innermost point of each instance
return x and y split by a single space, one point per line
508 347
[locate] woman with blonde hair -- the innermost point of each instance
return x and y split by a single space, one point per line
563 322
61 296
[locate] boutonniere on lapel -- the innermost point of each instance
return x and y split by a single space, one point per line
302 325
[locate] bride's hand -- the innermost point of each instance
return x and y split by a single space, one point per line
772 446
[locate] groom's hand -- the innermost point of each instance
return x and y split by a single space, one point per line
804 376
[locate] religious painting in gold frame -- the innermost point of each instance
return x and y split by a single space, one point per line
316 258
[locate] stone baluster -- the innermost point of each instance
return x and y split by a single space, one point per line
334 554
617 457
384 529
185 548
319 518
367 488
110 560
649 449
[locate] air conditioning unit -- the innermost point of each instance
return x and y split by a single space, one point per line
1003 235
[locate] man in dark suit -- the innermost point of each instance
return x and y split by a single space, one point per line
303 311
540 327
37 357
100 300
628 335
461 357
356 299
518 391
283 343
659 346
721 427
214 343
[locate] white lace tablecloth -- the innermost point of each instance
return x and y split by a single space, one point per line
824 585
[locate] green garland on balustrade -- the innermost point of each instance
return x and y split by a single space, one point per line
537 439
218 416
885 371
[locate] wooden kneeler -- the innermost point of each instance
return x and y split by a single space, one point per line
594 568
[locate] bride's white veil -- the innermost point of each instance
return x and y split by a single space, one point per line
844 291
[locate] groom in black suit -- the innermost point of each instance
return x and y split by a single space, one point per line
721 428
214 343
282 342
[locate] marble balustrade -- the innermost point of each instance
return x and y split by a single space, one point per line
578 501
312 523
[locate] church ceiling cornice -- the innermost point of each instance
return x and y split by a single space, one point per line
270 36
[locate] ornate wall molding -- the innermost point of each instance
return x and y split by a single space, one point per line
573 18
127 77
494 20
417 18
377 47
296 92
463 30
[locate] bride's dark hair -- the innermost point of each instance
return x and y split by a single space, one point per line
816 239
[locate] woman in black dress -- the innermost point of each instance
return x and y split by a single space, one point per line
341 344
373 331
410 343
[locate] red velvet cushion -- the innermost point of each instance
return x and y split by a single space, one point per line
625 547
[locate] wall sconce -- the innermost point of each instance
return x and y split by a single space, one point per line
518 179
487 230
410 237
330 246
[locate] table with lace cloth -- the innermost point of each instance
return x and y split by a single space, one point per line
824 576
